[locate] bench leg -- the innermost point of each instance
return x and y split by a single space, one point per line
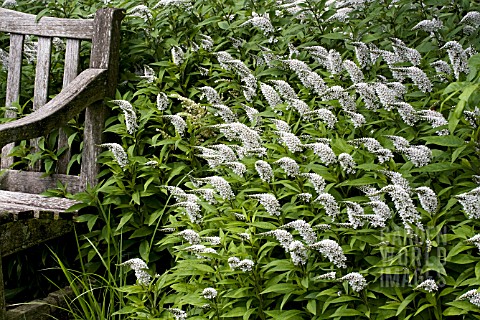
2 292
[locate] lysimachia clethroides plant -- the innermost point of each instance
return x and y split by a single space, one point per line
328 173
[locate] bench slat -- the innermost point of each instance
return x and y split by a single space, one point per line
13 87
72 57
34 202
37 182
23 23
86 89
19 235
42 72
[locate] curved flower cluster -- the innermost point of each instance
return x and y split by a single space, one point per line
347 163
292 142
355 280
325 116
374 147
245 265
472 296
220 185
327 276
458 58
332 251
209 293
262 22
428 285
264 170
404 206
471 203
428 199
270 95
199 250
162 101
187 201
305 230
178 313
178 122
139 266
475 240
289 165
211 94
298 252
190 236
240 132
177 55
419 155
324 151
119 154
282 236
330 204
355 214
268 200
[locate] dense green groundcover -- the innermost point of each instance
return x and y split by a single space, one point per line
284 160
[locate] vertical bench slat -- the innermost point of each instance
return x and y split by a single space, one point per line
42 73
72 58
105 54
13 88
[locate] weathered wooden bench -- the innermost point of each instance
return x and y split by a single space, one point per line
26 218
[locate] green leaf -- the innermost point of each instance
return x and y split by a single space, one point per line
454 311
281 288
285 315
406 302
438 167
423 307
446 141
223 25
462 259
344 312
459 247
142 232
434 263
126 310
89 218
334 35
144 250
312 306
235 312
264 225
124 220
358 182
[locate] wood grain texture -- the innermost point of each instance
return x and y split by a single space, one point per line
87 88
20 235
35 201
72 59
42 72
23 23
35 182
13 87
105 54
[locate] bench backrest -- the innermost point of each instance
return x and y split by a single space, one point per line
104 34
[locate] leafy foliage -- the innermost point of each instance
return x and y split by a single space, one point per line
306 160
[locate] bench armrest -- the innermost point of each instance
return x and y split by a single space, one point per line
87 88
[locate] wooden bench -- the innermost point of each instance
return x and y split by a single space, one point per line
27 218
